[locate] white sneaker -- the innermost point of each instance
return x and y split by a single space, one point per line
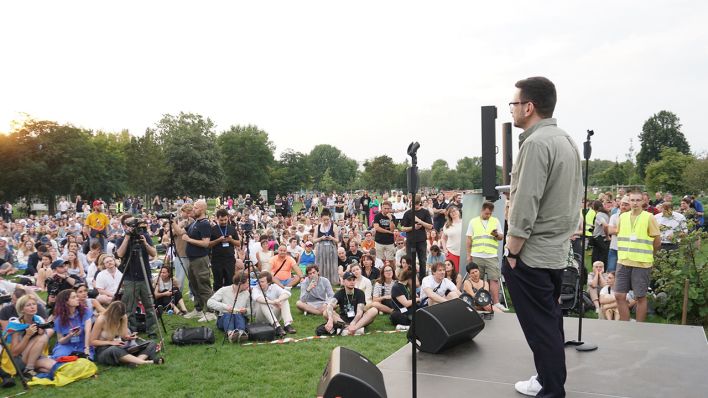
530 387
402 327
501 307
209 316
345 332
359 332
192 314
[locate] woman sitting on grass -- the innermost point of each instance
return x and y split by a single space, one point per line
473 284
402 296
72 321
167 294
27 340
110 338
382 290
451 274
90 303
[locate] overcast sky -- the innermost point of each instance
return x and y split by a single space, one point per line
367 77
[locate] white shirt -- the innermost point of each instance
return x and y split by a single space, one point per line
454 237
273 292
429 282
364 284
108 282
399 208
614 220
674 224
296 251
63 206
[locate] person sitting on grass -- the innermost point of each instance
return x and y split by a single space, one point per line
596 281
315 292
435 288
368 270
110 338
402 301
608 302
362 283
452 274
306 257
27 339
167 293
381 299
352 312
474 283
232 317
277 305
72 322
90 303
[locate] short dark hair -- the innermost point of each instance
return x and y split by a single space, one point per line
471 266
267 275
125 217
239 278
222 213
488 205
541 92
436 267
311 267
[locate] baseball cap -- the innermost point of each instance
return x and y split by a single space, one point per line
308 244
348 275
96 203
58 263
625 199
44 239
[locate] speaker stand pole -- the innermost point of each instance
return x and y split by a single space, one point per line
579 344
413 190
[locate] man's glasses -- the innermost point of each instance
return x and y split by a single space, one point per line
511 104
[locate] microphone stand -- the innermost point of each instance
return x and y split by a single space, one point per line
579 344
413 189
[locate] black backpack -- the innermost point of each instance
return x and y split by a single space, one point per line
198 335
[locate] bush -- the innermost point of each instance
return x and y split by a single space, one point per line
670 271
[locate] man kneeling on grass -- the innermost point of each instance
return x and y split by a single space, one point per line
351 303
232 318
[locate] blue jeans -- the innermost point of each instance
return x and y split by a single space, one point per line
611 261
229 322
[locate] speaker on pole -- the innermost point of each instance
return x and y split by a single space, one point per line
507 151
350 374
489 153
447 324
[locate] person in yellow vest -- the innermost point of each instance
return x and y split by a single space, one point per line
483 236
589 220
638 239
97 223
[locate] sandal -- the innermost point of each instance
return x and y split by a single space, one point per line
159 361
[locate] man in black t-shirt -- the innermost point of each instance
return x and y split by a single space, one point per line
351 302
365 200
415 223
198 237
354 253
339 208
384 226
439 207
223 239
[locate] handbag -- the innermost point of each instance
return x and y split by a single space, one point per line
198 335
260 332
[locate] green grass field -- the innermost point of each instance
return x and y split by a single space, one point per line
284 370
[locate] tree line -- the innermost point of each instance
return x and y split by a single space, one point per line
184 155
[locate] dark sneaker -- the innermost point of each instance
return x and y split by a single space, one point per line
242 336
279 332
289 329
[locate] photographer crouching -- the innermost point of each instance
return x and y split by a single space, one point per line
134 285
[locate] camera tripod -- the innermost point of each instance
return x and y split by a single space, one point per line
136 249
18 371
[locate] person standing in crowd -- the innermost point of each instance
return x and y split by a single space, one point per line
197 237
638 240
384 226
483 236
365 200
180 261
326 237
600 244
672 225
135 285
546 185
612 232
97 223
415 223
452 235
439 207
223 260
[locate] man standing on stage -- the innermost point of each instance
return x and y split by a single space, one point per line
197 238
223 260
545 191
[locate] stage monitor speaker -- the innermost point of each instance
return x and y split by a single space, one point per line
507 150
489 153
445 325
350 374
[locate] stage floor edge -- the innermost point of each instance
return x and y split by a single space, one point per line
633 360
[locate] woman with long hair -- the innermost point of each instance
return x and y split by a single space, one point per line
27 340
403 292
44 271
74 267
109 337
382 290
452 274
90 303
72 322
326 238
167 293
26 249
451 239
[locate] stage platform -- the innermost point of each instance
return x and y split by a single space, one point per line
633 360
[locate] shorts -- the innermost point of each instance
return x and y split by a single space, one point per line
285 282
488 267
385 252
632 278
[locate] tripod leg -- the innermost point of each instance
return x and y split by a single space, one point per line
6 351
151 305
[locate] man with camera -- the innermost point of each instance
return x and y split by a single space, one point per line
223 260
59 281
134 246
198 236
483 236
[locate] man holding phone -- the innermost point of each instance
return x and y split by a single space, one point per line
483 236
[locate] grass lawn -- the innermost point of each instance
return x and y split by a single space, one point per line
286 370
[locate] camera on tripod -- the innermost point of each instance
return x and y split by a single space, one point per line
138 226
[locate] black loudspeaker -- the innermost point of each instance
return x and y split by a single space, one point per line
489 153
350 374
445 325
507 150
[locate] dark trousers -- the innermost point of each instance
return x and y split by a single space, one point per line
223 270
535 293
421 249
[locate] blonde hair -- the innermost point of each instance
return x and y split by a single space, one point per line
116 319
22 302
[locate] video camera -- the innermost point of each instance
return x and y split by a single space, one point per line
138 227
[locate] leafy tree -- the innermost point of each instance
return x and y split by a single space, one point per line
379 173
469 173
151 177
617 174
694 176
597 167
104 166
246 158
191 154
327 183
342 169
661 130
291 173
666 174
441 175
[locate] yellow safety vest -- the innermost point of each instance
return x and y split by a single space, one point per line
589 221
633 240
483 241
